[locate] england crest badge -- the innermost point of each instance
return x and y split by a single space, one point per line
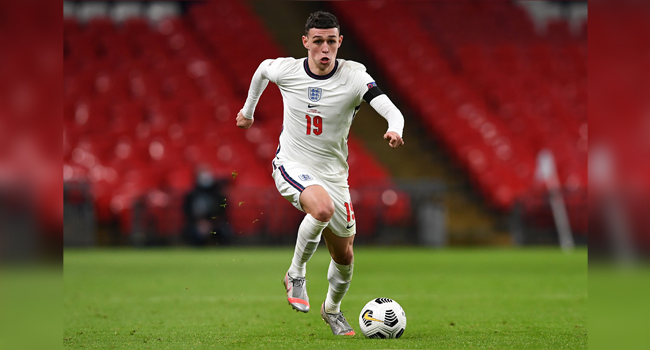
315 94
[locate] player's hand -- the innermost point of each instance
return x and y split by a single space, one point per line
394 140
244 122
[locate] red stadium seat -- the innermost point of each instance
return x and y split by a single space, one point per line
516 79
145 106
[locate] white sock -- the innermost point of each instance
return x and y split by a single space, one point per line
308 238
339 277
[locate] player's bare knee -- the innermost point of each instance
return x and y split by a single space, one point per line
344 258
328 209
324 211
348 257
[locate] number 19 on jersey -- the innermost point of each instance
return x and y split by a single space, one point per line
318 125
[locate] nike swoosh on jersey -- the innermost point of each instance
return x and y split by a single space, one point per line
311 106
350 226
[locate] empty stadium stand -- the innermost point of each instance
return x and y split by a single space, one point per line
148 102
494 91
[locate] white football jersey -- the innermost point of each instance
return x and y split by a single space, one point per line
318 111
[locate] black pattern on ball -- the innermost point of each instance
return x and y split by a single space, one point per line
377 335
390 319
365 321
383 300
399 334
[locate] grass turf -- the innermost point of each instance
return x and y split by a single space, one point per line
233 298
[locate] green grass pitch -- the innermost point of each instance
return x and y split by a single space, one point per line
233 298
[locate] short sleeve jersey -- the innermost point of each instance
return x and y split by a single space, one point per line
318 111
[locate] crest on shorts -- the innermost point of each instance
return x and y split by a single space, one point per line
315 94
304 177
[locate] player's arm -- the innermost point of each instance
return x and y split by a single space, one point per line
258 84
385 107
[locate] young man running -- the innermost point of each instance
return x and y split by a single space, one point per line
321 96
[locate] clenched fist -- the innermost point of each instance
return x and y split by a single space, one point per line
244 122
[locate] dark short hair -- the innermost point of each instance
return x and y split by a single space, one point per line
321 20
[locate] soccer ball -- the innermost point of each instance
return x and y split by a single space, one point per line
382 318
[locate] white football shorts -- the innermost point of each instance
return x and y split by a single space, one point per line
292 178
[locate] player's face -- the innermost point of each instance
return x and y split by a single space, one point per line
322 46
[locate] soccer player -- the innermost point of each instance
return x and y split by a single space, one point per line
321 96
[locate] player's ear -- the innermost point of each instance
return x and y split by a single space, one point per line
305 40
340 40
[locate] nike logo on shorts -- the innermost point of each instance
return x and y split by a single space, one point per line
350 226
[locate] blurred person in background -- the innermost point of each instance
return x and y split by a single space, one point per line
204 209
321 97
